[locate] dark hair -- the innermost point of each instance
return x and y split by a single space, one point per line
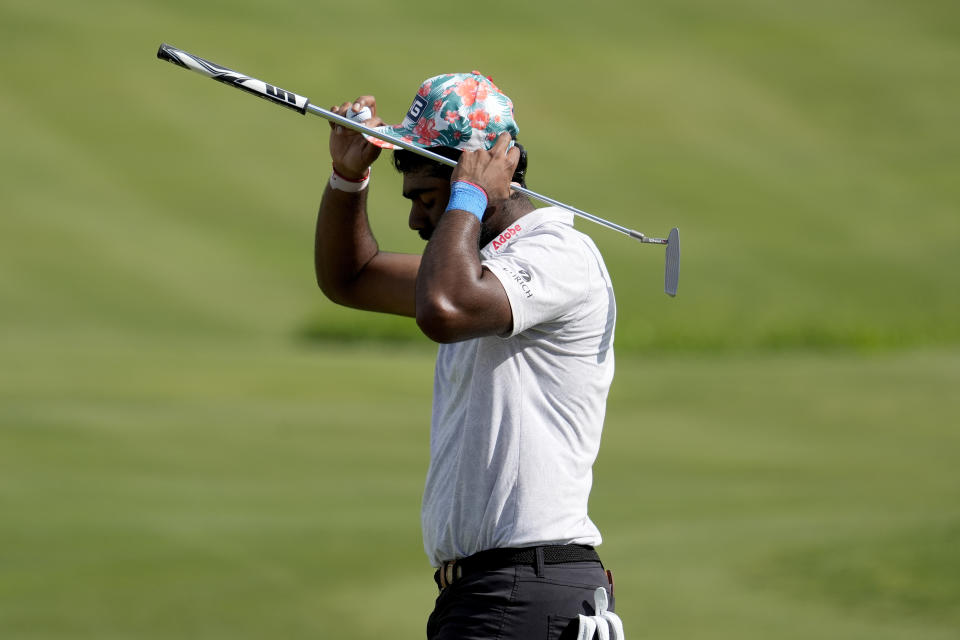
410 162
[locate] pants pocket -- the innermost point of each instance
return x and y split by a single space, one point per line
562 628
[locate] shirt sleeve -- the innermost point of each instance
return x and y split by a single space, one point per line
545 274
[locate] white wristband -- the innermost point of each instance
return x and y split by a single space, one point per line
340 183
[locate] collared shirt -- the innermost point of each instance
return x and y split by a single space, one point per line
517 419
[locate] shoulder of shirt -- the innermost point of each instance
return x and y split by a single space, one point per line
531 224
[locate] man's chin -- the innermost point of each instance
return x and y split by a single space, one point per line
425 233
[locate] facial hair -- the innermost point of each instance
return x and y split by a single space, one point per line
487 233
485 237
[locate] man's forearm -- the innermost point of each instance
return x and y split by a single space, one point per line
451 262
456 299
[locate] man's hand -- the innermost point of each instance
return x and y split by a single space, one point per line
351 153
490 170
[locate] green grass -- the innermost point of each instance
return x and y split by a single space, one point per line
210 491
193 443
908 574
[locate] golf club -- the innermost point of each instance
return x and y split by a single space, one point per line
302 105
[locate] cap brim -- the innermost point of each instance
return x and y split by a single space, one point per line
394 131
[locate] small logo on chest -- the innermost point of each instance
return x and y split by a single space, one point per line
506 235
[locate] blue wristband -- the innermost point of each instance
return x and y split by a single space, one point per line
466 196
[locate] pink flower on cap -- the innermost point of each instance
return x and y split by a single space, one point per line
468 91
479 119
427 130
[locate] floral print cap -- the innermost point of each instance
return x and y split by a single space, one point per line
460 110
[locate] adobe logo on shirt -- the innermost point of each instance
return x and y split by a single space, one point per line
506 235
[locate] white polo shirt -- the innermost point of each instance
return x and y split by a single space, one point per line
517 419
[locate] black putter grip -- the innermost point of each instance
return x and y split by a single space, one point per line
164 53
230 77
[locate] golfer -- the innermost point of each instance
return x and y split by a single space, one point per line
523 309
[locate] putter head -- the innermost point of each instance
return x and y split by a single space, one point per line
671 276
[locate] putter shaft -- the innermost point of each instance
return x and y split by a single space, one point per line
403 144
302 105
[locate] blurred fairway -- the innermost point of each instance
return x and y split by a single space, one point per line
214 492
193 443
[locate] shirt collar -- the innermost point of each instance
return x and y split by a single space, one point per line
524 225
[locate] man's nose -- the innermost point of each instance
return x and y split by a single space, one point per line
416 220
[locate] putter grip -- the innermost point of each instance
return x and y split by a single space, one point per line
230 77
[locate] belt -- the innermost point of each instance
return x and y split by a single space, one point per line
453 570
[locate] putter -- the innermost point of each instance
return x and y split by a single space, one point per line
302 105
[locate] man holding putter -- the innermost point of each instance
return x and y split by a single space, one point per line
523 308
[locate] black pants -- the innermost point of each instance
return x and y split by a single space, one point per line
521 602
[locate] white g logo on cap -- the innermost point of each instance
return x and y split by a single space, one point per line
419 103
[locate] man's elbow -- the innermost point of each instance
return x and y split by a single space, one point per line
334 291
440 320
